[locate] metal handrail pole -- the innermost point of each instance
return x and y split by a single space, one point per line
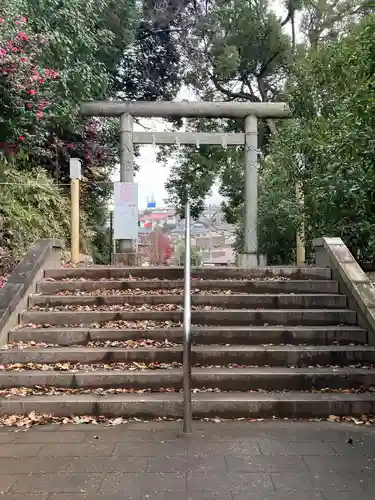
187 325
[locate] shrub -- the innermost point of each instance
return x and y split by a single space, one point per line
32 206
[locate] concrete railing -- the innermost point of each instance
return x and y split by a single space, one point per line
353 282
22 282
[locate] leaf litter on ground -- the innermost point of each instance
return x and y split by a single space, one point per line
129 344
25 421
138 291
123 307
77 367
112 324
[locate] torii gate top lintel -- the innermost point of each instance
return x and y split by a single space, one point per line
186 109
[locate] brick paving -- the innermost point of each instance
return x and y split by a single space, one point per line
275 460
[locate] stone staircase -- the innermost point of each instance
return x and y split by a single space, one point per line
267 341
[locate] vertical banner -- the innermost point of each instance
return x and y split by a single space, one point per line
125 221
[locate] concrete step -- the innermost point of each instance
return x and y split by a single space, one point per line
213 317
226 405
208 355
225 379
240 286
172 273
269 301
320 335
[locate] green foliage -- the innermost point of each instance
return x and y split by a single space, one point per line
86 42
33 207
330 147
196 256
242 48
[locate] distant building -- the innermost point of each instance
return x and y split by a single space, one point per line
158 217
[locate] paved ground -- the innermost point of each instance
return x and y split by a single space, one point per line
219 461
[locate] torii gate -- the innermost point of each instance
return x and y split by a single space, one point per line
250 112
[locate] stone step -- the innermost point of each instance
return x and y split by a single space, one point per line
269 301
208 355
316 335
225 405
213 317
225 379
245 286
168 272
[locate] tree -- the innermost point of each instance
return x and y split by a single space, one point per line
200 169
238 52
326 19
81 43
330 146
27 87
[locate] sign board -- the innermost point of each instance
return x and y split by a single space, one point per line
125 220
75 168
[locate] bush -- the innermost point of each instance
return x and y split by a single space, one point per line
32 206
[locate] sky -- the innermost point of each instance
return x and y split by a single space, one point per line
152 176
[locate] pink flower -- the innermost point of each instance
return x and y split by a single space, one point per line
42 104
39 114
2 20
23 19
22 36
21 138
51 73
3 52
32 92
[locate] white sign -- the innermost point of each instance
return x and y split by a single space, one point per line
75 168
125 220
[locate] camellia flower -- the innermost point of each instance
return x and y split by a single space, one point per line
22 36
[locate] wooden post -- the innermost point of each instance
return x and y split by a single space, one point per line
75 175
300 233
74 238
